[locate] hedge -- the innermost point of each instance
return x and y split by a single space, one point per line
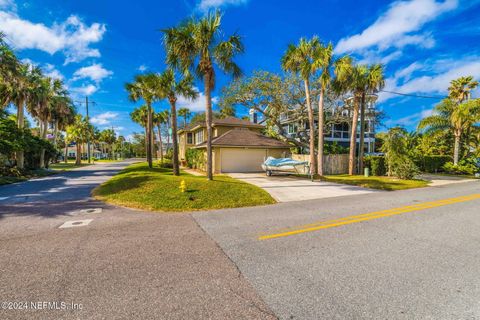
195 158
432 164
376 164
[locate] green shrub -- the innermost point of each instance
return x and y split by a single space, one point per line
466 166
376 164
432 164
405 169
195 158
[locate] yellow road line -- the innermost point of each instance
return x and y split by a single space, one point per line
369 216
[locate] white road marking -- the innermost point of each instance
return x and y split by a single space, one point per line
76 223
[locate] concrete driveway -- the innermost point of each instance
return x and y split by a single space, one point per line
284 188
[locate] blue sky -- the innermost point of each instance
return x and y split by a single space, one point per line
97 46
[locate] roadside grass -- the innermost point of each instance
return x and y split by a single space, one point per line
157 189
29 175
374 182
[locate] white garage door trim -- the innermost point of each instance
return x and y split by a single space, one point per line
241 160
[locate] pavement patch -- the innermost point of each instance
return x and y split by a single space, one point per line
76 223
91 210
368 216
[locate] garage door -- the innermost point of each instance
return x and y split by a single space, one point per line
242 160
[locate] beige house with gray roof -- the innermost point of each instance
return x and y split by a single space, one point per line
238 145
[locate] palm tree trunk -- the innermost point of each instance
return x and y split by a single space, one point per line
19 155
78 158
55 133
208 116
311 122
44 128
456 150
167 123
176 169
320 132
362 135
160 142
353 138
149 135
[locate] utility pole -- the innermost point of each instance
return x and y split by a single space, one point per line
88 136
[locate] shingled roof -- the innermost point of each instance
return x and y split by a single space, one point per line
242 137
228 121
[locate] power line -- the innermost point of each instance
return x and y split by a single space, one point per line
414 95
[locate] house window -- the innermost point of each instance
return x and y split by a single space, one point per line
199 137
189 138
292 128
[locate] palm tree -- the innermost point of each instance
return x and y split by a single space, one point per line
458 118
323 60
109 137
360 80
461 88
185 113
169 88
80 132
196 46
144 87
140 115
375 81
158 120
165 114
300 60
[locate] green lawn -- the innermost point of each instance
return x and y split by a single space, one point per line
382 183
157 189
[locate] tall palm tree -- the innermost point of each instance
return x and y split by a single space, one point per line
140 115
300 60
323 59
197 46
460 89
158 121
80 132
144 87
375 81
185 113
170 88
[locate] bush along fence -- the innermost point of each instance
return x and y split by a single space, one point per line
195 159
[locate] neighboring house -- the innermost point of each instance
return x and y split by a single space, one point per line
94 152
296 125
238 145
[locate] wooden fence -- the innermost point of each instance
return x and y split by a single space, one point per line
332 164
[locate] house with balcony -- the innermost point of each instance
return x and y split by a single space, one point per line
295 124
238 145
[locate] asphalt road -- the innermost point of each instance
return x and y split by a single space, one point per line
419 260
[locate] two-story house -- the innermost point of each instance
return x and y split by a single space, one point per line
238 145
338 131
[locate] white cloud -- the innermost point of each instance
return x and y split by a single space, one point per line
95 72
84 90
410 120
437 81
398 26
72 37
142 68
104 118
197 105
205 5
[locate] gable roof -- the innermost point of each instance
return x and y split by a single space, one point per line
242 137
228 121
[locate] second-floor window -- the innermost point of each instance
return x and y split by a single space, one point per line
292 128
199 137
189 138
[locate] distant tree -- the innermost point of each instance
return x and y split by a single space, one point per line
80 131
185 113
109 137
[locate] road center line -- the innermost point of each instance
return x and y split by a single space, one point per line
368 216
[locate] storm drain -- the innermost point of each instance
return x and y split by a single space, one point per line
76 223
91 210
